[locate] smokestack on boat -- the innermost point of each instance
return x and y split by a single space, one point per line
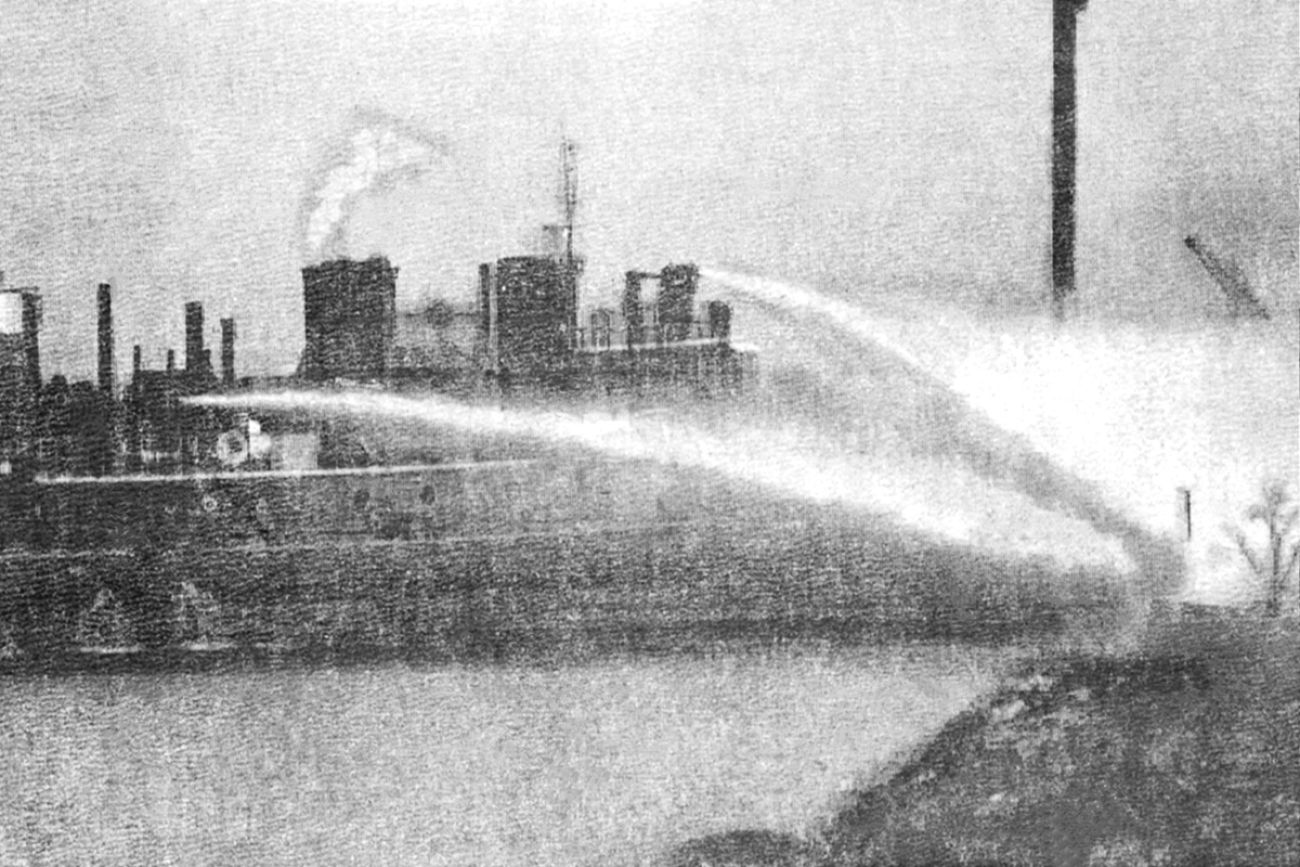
349 318
195 360
106 338
228 351
31 338
676 302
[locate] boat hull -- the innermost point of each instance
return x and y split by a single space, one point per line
531 556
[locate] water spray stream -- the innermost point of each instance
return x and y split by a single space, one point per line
1008 450
946 505
1103 421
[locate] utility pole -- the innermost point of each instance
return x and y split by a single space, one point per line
1064 24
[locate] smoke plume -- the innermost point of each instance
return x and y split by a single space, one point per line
380 152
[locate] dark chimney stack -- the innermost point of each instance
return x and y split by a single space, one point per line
31 338
171 361
194 338
137 362
228 351
676 302
106 338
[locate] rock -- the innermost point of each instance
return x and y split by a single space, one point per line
1006 712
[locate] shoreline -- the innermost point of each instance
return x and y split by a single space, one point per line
1186 750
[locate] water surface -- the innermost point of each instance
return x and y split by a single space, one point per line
608 761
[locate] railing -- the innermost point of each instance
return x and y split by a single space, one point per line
652 335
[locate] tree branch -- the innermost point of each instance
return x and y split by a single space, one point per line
1244 546
1295 556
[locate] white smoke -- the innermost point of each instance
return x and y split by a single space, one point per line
378 153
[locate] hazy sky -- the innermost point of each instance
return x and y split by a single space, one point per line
178 150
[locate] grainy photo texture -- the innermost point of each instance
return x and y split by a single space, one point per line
672 432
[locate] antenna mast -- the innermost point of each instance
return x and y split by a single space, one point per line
569 202
569 194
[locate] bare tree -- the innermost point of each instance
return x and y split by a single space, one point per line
1275 565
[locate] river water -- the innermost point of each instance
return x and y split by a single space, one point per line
606 761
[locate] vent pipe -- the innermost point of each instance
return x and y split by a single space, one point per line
228 351
106 338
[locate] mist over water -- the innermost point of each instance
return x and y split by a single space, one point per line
1102 420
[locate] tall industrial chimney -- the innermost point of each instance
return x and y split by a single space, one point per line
106 338
193 337
228 351
1064 24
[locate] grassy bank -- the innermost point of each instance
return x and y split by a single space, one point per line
1187 752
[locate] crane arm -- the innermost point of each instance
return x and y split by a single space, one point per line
1231 279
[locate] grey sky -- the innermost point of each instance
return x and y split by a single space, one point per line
174 151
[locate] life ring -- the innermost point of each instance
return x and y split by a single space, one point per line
232 448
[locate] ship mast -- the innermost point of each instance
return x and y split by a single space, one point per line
568 195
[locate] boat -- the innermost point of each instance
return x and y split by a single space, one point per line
194 511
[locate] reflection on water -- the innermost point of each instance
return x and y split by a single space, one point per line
608 761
